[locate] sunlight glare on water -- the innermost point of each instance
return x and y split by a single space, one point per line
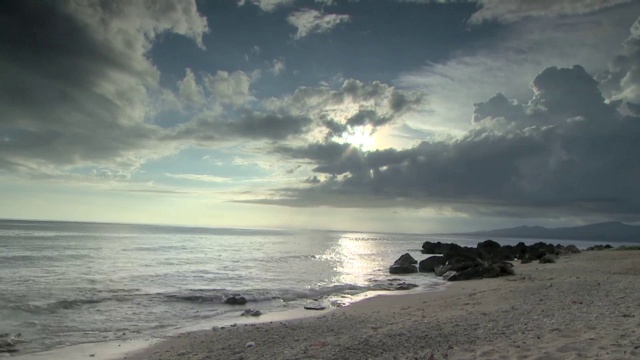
354 258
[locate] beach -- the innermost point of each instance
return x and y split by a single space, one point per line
585 306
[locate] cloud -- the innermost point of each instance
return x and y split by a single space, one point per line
564 152
77 87
510 60
307 114
199 177
338 113
230 88
268 5
277 67
247 124
622 80
514 10
310 21
189 89
107 174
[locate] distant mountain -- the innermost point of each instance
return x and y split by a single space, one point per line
606 231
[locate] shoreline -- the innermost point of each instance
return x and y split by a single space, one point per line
583 306
119 349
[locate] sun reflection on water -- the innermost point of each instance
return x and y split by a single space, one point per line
355 258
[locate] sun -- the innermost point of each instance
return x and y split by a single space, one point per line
359 136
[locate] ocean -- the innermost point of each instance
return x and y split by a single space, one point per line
66 283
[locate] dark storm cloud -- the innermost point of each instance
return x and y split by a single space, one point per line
567 149
366 117
75 84
559 94
247 124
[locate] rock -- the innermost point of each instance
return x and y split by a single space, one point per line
432 248
429 264
448 274
405 286
506 268
488 244
461 264
250 312
235 300
547 259
492 270
468 274
250 344
441 270
598 247
314 307
404 265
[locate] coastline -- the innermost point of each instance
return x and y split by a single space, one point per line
119 349
585 305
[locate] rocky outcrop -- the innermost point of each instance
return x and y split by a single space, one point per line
491 251
429 264
488 259
235 300
572 249
404 265
598 247
481 272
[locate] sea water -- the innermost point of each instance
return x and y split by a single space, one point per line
64 283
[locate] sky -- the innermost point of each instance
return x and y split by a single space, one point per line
393 115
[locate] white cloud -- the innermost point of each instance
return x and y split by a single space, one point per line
509 62
189 89
116 175
514 10
310 21
230 88
199 177
268 5
277 67
622 80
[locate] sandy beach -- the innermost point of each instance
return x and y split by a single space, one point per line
585 306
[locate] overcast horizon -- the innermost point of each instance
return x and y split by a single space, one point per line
409 116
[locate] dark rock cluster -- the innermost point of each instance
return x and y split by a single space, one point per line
235 300
488 259
598 247
492 251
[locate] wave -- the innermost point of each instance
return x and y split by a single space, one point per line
55 306
217 296
40 308
30 260
288 258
